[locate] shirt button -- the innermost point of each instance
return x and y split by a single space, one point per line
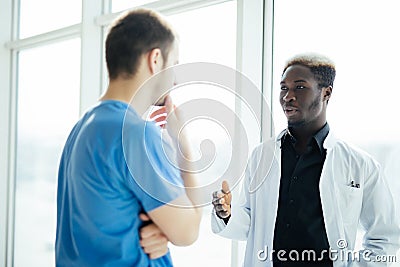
291 201
288 225
295 178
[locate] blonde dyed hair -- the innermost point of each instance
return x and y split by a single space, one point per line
322 67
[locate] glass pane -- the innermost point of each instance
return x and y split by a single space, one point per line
363 108
205 37
40 16
48 106
119 5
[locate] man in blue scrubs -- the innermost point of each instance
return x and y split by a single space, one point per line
113 167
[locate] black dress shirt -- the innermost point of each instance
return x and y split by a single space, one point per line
300 224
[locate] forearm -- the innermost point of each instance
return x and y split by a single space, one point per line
188 168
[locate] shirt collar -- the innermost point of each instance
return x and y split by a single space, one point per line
319 136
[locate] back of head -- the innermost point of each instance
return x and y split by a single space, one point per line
132 35
321 66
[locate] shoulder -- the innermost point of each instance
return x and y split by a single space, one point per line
353 154
107 115
137 126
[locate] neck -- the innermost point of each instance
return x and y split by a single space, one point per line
124 90
303 133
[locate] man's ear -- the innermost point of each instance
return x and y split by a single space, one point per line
327 93
155 60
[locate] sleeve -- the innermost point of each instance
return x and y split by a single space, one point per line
380 221
238 226
153 176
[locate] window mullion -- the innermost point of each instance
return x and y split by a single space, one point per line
45 38
166 7
91 54
8 65
249 61
268 66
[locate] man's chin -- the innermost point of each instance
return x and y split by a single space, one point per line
294 124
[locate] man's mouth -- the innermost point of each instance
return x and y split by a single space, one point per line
290 111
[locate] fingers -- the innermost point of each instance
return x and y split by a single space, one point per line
158 253
222 201
170 118
226 192
152 239
225 187
159 116
155 246
218 195
144 217
158 112
149 230
221 208
169 107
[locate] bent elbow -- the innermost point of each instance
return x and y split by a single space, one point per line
186 238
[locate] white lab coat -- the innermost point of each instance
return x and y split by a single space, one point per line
344 207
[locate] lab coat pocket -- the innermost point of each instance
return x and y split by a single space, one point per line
350 199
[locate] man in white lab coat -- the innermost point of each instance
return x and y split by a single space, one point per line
306 193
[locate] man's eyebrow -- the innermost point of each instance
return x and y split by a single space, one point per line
300 81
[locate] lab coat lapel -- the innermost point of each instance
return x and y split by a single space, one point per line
329 200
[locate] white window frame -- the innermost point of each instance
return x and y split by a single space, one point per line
8 125
254 59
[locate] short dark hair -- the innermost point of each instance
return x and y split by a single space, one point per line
321 66
132 35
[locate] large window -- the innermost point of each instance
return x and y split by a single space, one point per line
48 106
53 78
55 74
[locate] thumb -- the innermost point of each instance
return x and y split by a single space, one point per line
225 187
144 217
168 104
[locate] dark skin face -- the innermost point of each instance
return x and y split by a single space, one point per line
303 103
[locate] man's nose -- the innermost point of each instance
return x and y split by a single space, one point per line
289 96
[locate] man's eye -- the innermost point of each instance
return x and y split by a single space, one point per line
300 87
284 88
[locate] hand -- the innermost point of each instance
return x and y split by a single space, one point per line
160 116
169 117
175 121
222 201
152 239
